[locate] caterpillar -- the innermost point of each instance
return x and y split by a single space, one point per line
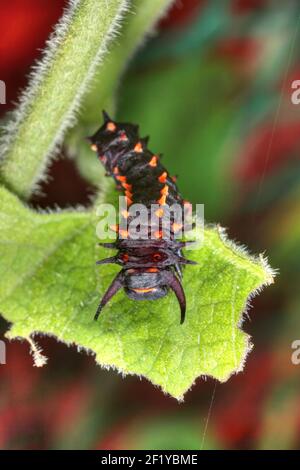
152 266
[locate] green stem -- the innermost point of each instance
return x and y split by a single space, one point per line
139 21
48 106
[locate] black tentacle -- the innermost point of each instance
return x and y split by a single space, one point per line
115 286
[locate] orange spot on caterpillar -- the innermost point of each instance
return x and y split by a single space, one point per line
128 193
138 147
114 228
111 127
159 212
165 190
158 234
121 178
94 147
128 200
163 177
127 186
116 170
152 270
125 257
125 213
153 161
123 233
176 227
149 289
162 200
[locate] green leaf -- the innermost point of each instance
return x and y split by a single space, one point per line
56 88
50 284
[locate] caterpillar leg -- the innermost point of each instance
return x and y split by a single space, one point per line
172 281
116 285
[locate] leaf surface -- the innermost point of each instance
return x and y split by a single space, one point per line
50 284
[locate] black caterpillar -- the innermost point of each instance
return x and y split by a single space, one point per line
153 266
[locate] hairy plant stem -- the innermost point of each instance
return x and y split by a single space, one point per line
49 104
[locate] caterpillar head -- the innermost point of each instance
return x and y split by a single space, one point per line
145 285
147 272
112 140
